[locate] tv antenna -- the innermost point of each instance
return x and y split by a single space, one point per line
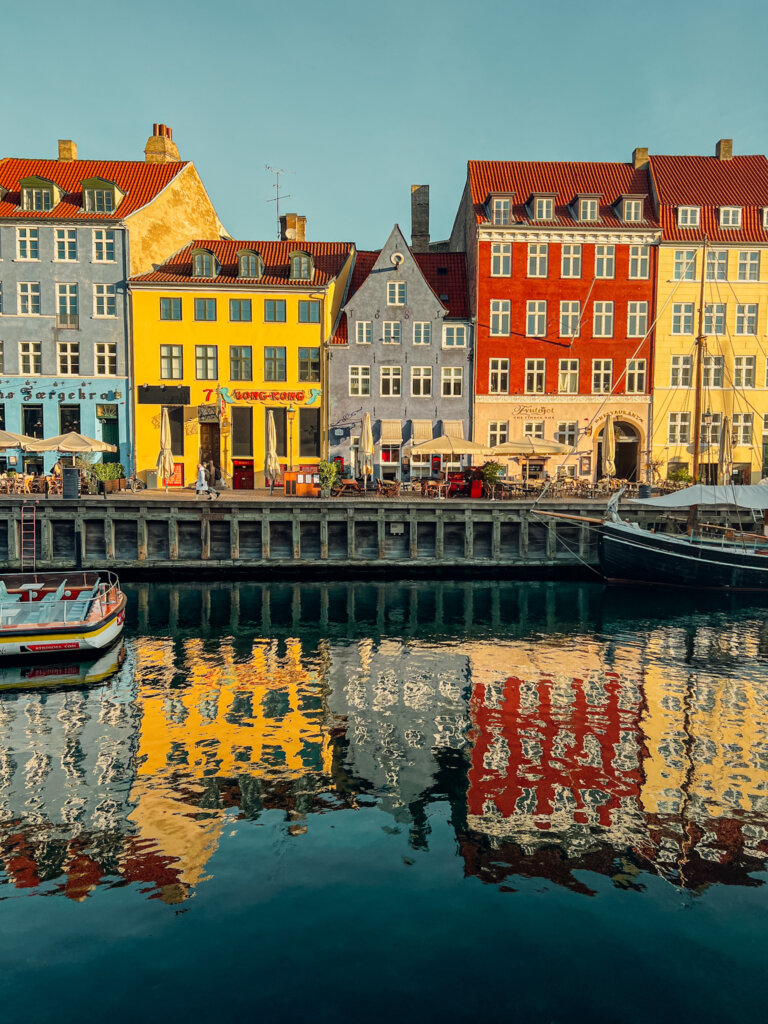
277 171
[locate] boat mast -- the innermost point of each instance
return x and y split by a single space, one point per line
700 339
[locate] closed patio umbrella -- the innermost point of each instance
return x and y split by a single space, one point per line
271 461
609 448
70 444
725 453
165 458
366 449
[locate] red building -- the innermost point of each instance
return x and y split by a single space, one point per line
562 268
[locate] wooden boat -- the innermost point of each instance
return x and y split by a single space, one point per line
54 612
36 674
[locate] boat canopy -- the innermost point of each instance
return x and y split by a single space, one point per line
751 496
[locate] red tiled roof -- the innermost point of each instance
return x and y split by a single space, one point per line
140 182
710 183
328 258
566 180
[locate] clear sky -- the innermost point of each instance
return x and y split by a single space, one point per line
361 99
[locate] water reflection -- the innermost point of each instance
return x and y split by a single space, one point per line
568 733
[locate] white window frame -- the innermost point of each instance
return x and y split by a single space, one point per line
712 371
391 332
746 318
501 211
715 318
605 261
684 265
422 375
360 381
534 428
26 298
105 359
633 211
589 210
682 318
26 238
636 377
744 371
536 318
363 332
709 433
498 377
535 376
396 293
422 332
749 265
730 216
450 377
63 239
66 351
102 239
500 318
680 370
498 432
538 259
454 336
30 358
543 208
501 259
173 355
602 319
742 429
99 200
567 432
104 296
568 377
602 376
38 199
570 259
394 377
688 216
717 265
570 318
637 319
639 262
679 428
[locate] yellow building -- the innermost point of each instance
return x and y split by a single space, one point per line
714 217
226 331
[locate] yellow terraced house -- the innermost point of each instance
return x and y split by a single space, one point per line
714 217
226 331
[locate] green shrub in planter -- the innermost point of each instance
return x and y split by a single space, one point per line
328 473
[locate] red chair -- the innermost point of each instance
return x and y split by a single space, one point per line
476 489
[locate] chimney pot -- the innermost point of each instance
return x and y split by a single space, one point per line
640 157
160 147
724 149
67 151
420 218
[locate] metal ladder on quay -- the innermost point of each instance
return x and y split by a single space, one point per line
28 537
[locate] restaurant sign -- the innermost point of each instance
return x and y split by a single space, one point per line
229 396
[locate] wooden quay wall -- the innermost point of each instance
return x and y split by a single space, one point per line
299 535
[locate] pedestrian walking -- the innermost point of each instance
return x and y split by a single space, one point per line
201 483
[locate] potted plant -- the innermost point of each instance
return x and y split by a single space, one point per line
329 474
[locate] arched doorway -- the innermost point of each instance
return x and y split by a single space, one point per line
627 451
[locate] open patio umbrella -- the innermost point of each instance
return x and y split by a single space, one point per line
609 448
70 444
530 446
271 461
366 449
11 440
447 445
725 453
165 458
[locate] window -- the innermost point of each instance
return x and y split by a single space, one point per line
392 332
765 218
396 292
709 433
391 379
170 309
498 376
69 357
749 266
500 315
635 380
536 319
679 428
717 264
106 359
30 357
99 200
568 377
567 433
274 311
637 319
240 310
543 208
535 376
309 311
363 332
171 362
29 299
680 371
570 261
206 362
452 381
742 428
309 365
309 433
534 429
66 244
602 376
537 259
633 210
360 380
1 296
603 320
242 431
205 309
66 305
2 370
37 199
248 265
498 432
746 318
684 265
501 259
421 381
69 419
712 372
104 300
454 336
682 318
240 362
639 261
103 246
301 267
274 363
27 244
570 313
605 260
422 332
588 209
744 372
730 216
688 216
501 210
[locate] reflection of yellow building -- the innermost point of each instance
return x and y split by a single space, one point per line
225 332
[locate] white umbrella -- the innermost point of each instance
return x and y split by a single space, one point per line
71 444
271 462
530 446
725 453
11 440
165 466
609 448
366 449
447 445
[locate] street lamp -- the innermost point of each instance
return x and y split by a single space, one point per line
290 413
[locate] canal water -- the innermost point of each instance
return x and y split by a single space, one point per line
378 801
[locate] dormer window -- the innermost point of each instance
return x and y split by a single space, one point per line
730 216
688 216
633 211
249 264
100 196
543 207
39 194
204 264
501 211
589 208
765 218
301 267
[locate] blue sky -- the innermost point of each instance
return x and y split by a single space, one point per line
362 99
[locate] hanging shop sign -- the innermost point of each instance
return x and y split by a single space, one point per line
207 414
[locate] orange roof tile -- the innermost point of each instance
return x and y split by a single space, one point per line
140 182
564 179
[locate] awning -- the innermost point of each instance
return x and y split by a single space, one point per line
453 428
421 430
391 432
752 496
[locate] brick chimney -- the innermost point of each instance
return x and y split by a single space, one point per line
724 149
640 157
160 147
420 218
67 151
293 228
